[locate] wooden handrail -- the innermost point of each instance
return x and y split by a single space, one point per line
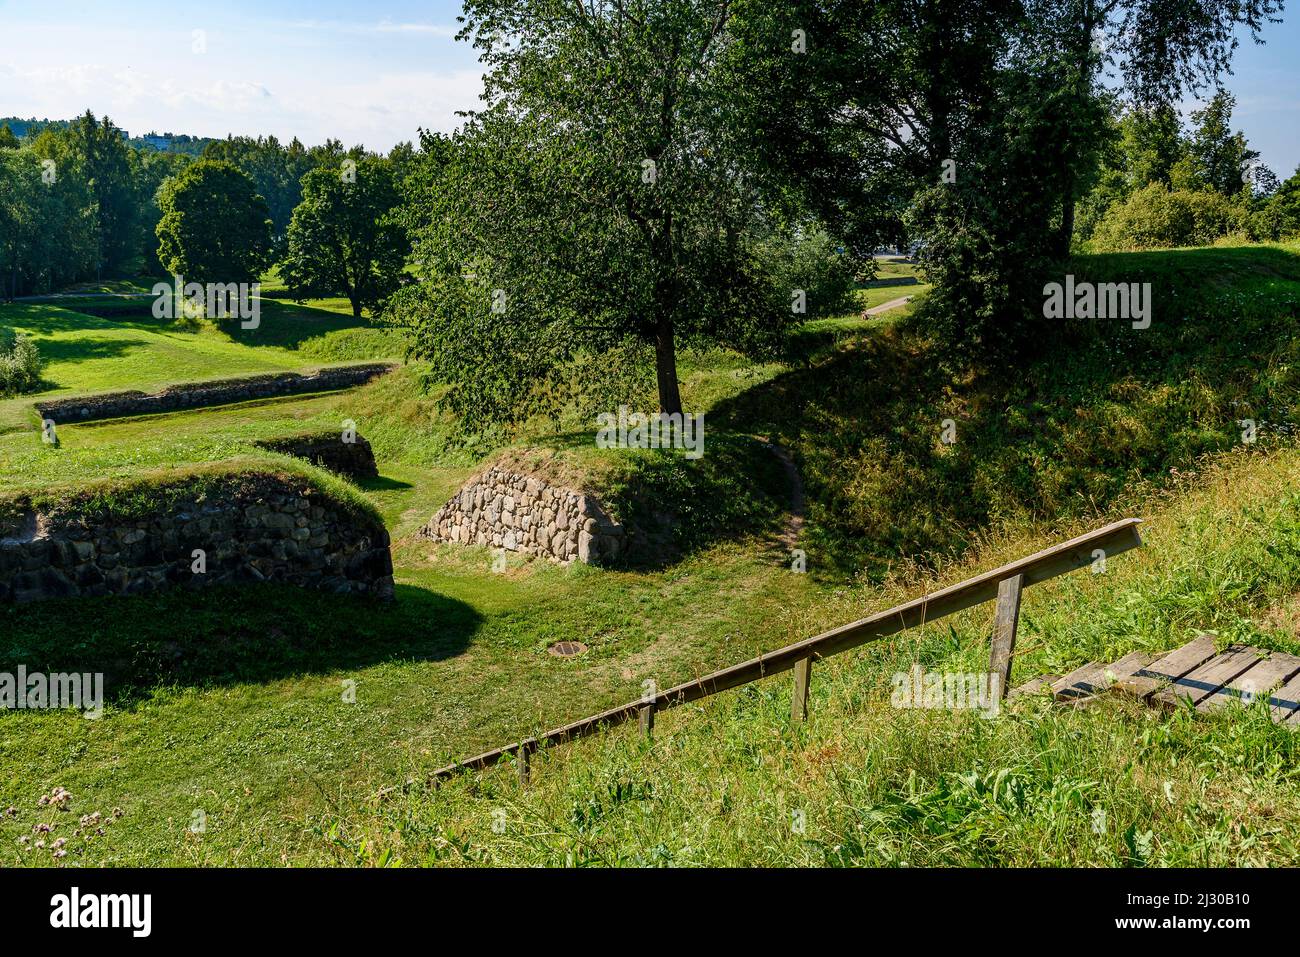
1049 563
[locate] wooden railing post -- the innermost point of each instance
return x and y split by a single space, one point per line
1005 620
647 719
799 699
525 756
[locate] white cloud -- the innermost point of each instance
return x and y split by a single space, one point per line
382 26
241 86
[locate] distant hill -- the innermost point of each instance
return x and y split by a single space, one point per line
171 142
32 126
163 142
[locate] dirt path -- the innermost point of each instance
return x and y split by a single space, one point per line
789 537
886 306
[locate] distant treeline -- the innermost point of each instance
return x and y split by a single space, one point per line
1160 183
79 200
168 142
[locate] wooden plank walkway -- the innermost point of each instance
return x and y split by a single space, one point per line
1194 673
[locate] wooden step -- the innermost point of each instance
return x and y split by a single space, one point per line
1193 673
1201 682
1266 676
1284 703
1127 667
1095 678
1033 686
1161 672
1083 682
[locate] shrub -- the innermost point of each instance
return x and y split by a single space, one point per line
808 259
1155 217
20 363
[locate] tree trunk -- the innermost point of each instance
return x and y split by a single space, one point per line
670 397
356 308
1091 18
1067 216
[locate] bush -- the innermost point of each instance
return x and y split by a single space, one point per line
808 259
1157 218
986 259
20 363
1265 224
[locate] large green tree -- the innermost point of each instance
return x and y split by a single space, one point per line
1153 51
1221 159
599 200
1284 206
48 230
150 169
214 228
95 151
855 106
1009 98
276 169
345 237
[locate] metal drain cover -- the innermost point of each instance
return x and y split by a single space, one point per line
567 649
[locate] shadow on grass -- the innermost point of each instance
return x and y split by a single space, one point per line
290 325
58 352
890 281
383 484
283 324
224 636
1094 408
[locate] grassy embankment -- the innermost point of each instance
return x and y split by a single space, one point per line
231 703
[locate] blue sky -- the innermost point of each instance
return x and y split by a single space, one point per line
359 72
366 73
1266 82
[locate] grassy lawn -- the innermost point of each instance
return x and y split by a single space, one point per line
729 781
239 709
231 702
89 353
231 697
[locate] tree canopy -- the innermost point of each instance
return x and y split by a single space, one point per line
214 228
599 200
345 237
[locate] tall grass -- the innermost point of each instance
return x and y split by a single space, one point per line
731 782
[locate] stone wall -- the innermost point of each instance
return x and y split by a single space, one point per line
521 513
354 459
251 527
112 405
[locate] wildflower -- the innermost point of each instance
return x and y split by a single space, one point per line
59 798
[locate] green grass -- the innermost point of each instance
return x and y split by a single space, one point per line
730 782
217 675
1098 408
149 491
231 701
86 353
